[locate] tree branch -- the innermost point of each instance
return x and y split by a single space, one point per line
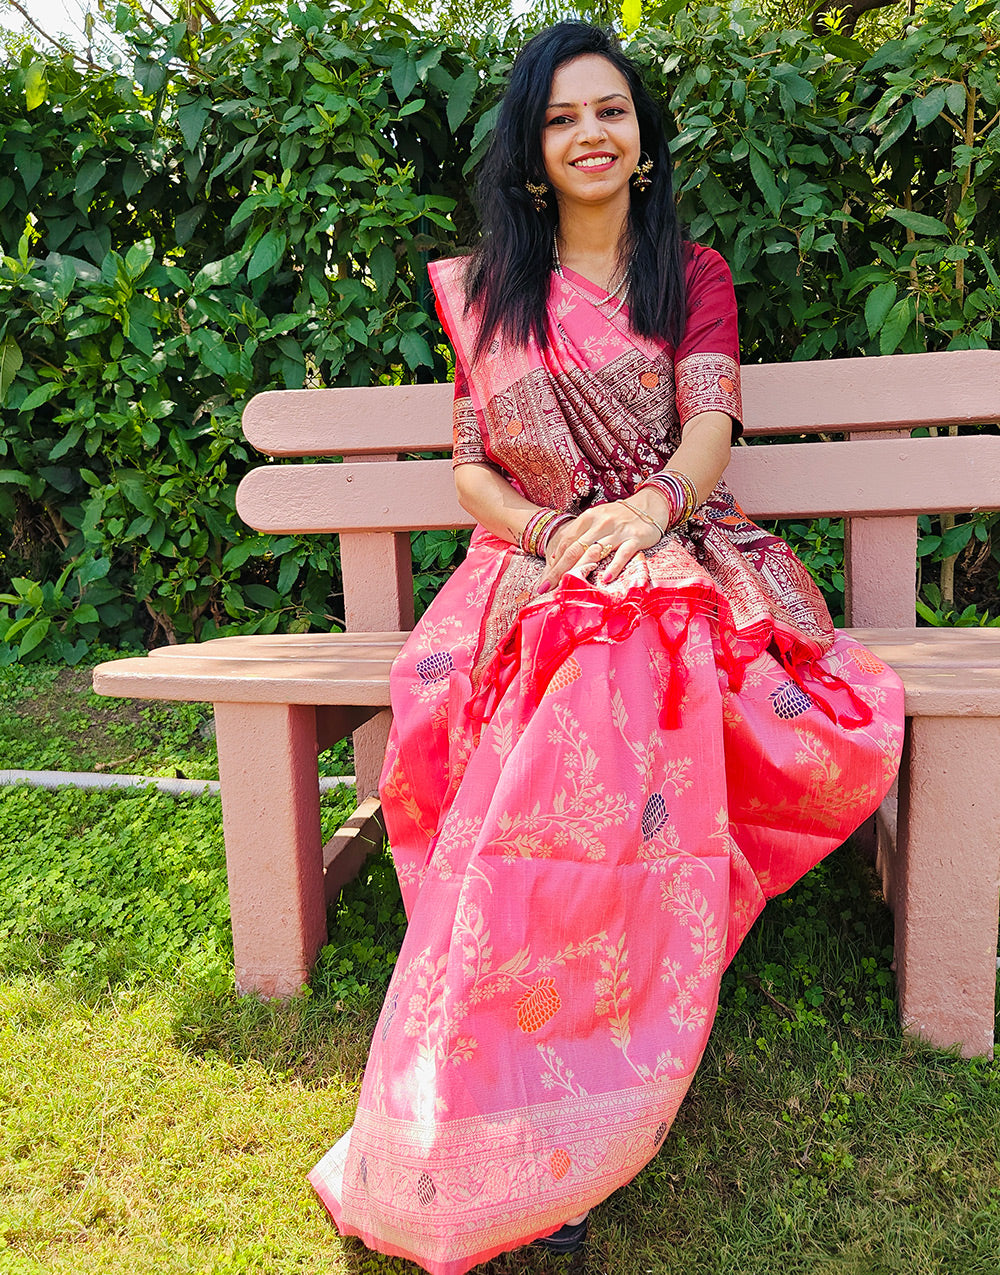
93 66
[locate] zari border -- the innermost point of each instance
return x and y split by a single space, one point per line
708 383
491 1182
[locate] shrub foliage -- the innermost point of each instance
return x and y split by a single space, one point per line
251 205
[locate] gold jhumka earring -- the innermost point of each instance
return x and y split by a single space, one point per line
537 191
640 177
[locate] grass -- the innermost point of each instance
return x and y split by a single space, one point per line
154 1121
50 719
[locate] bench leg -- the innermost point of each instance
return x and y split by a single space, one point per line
947 880
274 851
369 753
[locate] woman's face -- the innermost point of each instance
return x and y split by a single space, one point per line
590 135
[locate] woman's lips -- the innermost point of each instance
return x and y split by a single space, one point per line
593 163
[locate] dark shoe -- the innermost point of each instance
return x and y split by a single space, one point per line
568 1239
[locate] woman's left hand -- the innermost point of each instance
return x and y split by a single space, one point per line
610 530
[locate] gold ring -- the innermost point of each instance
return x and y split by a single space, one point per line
584 545
605 549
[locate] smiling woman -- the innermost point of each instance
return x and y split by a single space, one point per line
624 722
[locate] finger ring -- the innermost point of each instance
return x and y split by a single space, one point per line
584 545
602 547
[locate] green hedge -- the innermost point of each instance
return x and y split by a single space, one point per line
252 207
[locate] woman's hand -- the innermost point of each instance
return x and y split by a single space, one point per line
611 530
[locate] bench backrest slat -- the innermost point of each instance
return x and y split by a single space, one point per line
885 477
830 396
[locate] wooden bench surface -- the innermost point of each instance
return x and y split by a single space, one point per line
946 672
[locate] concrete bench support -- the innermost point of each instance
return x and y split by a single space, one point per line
270 798
945 881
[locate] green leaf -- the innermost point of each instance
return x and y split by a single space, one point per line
191 119
34 636
880 301
460 96
66 443
955 539
35 87
843 47
631 15
926 109
485 124
14 477
760 168
269 252
415 350
896 325
11 360
88 175
41 395
954 96
382 264
925 613
662 13
138 258
218 274
918 222
133 489
288 573
404 74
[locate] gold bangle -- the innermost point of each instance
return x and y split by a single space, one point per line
645 517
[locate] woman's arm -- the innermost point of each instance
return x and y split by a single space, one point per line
485 494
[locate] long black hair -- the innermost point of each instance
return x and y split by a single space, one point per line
508 275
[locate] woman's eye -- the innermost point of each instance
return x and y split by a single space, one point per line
559 119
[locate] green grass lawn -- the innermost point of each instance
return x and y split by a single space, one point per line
151 1120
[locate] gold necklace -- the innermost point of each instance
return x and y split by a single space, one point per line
604 300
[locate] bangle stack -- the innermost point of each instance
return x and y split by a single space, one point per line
539 529
678 490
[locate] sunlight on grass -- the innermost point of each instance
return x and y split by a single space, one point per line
154 1121
119 1151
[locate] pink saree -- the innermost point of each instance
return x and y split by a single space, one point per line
590 795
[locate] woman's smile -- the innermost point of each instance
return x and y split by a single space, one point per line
594 163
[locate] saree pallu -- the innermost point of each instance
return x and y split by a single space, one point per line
590 795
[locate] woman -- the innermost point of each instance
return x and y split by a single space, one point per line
623 724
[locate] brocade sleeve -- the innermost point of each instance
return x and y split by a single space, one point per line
468 447
707 361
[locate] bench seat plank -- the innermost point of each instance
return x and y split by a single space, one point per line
946 672
894 476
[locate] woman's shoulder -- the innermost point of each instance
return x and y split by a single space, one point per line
702 261
449 269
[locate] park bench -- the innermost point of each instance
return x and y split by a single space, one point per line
280 699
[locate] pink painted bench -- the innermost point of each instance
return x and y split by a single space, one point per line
280 699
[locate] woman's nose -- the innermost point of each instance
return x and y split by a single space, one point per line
591 128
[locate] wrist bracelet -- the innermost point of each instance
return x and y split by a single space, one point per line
645 517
